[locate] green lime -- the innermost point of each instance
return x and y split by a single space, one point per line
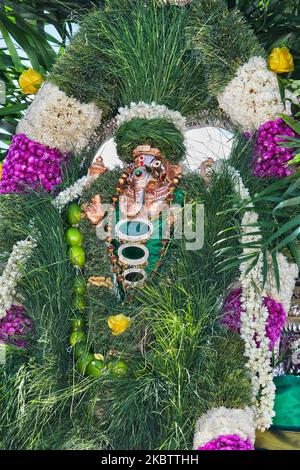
74 214
117 368
94 368
79 349
79 303
77 336
77 256
83 362
74 237
79 285
77 324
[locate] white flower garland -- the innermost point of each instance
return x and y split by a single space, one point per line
13 272
71 193
147 111
59 121
224 421
254 317
239 186
252 97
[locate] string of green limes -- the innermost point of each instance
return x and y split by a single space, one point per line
87 363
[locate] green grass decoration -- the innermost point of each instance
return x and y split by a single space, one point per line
137 52
223 39
155 132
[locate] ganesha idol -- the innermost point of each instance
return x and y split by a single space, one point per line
140 220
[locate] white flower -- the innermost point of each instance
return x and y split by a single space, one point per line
253 97
224 421
71 193
59 121
147 111
13 272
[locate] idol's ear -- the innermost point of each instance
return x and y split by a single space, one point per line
109 155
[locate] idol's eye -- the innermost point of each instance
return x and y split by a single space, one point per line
156 164
131 166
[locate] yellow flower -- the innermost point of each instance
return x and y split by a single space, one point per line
281 60
99 357
30 81
118 323
0 171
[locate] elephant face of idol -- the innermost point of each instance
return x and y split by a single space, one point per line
147 172
144 170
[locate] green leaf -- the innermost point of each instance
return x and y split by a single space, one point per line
294 252
287 226
272 188
276 269
295 125
11 47
237 262
281 88
5 111
265 267
292 237
295 201
292 187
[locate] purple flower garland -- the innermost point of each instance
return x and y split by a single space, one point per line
229 442
270 160
232 313
15 326
29 164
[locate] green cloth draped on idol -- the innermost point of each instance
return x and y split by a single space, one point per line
149 353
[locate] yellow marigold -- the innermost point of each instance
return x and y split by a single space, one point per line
118 323
30 81
0 171
281 60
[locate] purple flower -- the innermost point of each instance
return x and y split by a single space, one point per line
15 326
228 442
29 164
232 309
269 159
276 320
